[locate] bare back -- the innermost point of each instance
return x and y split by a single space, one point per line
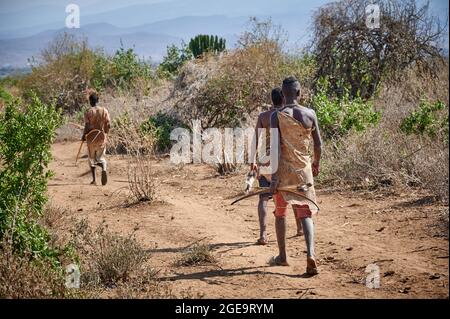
97 118
264 119
302 114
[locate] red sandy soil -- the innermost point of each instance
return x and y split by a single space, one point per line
402 234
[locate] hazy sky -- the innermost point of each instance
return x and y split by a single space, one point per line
439 7
25 24
44 12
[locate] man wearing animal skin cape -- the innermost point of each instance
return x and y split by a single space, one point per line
297 126
263 123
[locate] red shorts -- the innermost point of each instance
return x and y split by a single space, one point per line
281 206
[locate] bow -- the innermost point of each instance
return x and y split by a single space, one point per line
265 190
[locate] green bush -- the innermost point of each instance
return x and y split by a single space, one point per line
26 135
428 119
174 60
338 116
64 74
126 67
160 126
69 67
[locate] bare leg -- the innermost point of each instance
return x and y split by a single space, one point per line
93 175
104 174
280 228
262 214
298 221
308 228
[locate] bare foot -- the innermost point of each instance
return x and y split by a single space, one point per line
299 233
93 183
311 266
276 261
262 241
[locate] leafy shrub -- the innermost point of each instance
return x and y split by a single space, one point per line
68 67
26 135
63 74
125 68
174 60
338 116
429 119
160 126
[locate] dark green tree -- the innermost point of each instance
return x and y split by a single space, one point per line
206 43
174 59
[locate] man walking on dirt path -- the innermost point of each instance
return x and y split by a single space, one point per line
296 125
97 124
264 180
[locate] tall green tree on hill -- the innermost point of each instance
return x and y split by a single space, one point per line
206 43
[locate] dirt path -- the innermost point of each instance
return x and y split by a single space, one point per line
401 235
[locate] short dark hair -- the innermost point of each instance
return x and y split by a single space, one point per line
277 96
93 98
290 81
291 87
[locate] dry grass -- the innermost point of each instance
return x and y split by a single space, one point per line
375 159
217 89
141 179
144 286
198 254
106 257
68 133
53 216
22 278
386 157
117 263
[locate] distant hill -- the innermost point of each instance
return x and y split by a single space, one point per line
16 52
189 26
149 40
17 20
148 25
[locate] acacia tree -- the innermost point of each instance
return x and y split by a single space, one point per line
353 54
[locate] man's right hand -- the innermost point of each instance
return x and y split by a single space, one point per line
254 168
315 169
273 185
